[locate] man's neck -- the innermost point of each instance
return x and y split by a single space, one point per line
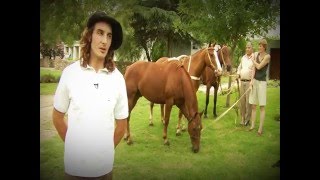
96 63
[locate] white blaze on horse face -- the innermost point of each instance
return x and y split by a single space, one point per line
217 60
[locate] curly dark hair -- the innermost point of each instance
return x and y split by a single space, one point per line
85 45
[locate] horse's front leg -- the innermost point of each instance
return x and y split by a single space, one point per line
180 126
166 122
132 100
215 100
151 114
162 107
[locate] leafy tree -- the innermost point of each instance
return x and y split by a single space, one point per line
154 20
228 21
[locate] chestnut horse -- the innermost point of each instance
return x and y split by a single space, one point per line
167 84
209 78
195 66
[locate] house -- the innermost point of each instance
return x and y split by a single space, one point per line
274 66
72 52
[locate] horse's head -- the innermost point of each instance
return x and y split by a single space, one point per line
224 57
209 58
194 129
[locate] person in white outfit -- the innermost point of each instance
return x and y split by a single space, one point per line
245 73
93 93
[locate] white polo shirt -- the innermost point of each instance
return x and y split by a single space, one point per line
93 101
246 67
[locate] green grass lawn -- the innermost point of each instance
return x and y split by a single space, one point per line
54 72
227 150
48 88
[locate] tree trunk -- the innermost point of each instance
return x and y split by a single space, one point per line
169 45
147 53
234 44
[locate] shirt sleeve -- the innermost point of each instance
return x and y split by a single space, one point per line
61 99
239 67
121 110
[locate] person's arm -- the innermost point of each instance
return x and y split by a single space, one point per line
264 62
60 105
121 112
121 125
59 123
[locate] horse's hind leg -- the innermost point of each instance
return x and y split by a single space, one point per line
151 114
166 122
207 100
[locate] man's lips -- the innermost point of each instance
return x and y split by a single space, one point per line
103 49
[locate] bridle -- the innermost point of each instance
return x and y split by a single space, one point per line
210 59
224 63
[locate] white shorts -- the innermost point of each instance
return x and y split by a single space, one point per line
258 94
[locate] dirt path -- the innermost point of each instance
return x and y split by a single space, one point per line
47 129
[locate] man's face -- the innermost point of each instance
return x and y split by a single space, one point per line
101 40
248 50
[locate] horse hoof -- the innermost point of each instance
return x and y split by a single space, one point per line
166 143
178 133
183 129
205 116
151 124
125 138
129 142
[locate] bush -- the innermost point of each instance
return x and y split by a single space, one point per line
273 83
49 78
122 65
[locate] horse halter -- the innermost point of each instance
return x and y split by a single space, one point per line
210 59
224 63
192 118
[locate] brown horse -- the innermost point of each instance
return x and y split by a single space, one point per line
195 66
209 78
167 84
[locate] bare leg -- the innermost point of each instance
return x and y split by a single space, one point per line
253 116
262 116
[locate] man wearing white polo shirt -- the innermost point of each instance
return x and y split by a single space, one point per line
92 92
245 73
